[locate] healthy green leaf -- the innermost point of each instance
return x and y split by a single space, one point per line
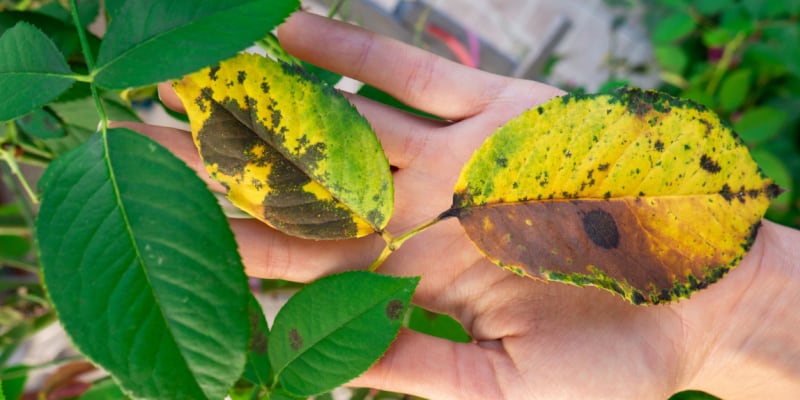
13 246
734 90
79 118
346 320
62 34
257 369
105 389
639 193
760 124
291 151
13 388
439 325
671 58
710 7
201 31
144 275
673 28
32 71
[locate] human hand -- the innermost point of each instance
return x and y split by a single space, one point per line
532 339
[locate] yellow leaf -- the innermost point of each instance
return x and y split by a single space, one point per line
291 151
636 192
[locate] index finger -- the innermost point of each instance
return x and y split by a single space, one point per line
416 77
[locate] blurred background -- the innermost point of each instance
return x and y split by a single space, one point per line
740 58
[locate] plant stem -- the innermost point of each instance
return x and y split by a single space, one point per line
394 243
89 57
335 8
20 265
725 61
8 157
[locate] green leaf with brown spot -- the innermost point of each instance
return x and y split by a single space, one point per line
293 152
335 328
645 195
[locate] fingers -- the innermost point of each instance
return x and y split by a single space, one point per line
270 254
170 98
414 76
436 368
403 136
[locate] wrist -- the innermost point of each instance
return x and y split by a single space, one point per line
743 333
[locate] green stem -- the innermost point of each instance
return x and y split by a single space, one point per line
20 265
394 243
335 9
25 208
725 61
8 157
89 57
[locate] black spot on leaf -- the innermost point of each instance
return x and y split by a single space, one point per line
241 76
394 309
726 192
659 145
601 228
709 165
773 191
212 72
502 162
602 167
295 340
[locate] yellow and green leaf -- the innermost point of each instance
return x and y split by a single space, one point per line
636 192
291 151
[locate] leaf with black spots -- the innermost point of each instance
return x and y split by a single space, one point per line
291 151
345 320
645 195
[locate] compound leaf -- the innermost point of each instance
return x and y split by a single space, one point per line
145 276
326 325
139 47
32 71
636 192
292 152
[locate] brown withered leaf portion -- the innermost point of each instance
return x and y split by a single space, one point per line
636 192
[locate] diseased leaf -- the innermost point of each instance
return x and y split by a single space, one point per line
257 368
335 328
637 192
292 152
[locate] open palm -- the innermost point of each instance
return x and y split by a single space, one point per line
532 339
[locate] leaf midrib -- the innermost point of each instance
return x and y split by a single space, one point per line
134 244
295 164
328 333
98 70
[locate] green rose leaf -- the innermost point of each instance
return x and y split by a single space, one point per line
144 276
32 71
152 40
327 324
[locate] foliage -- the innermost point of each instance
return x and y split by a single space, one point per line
142 269
742 60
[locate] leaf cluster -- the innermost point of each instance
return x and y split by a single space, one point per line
139 265
739 58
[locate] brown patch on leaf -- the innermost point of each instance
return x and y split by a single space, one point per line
709 165
295 340
394 309
601 229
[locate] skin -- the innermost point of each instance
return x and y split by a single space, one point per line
533 340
